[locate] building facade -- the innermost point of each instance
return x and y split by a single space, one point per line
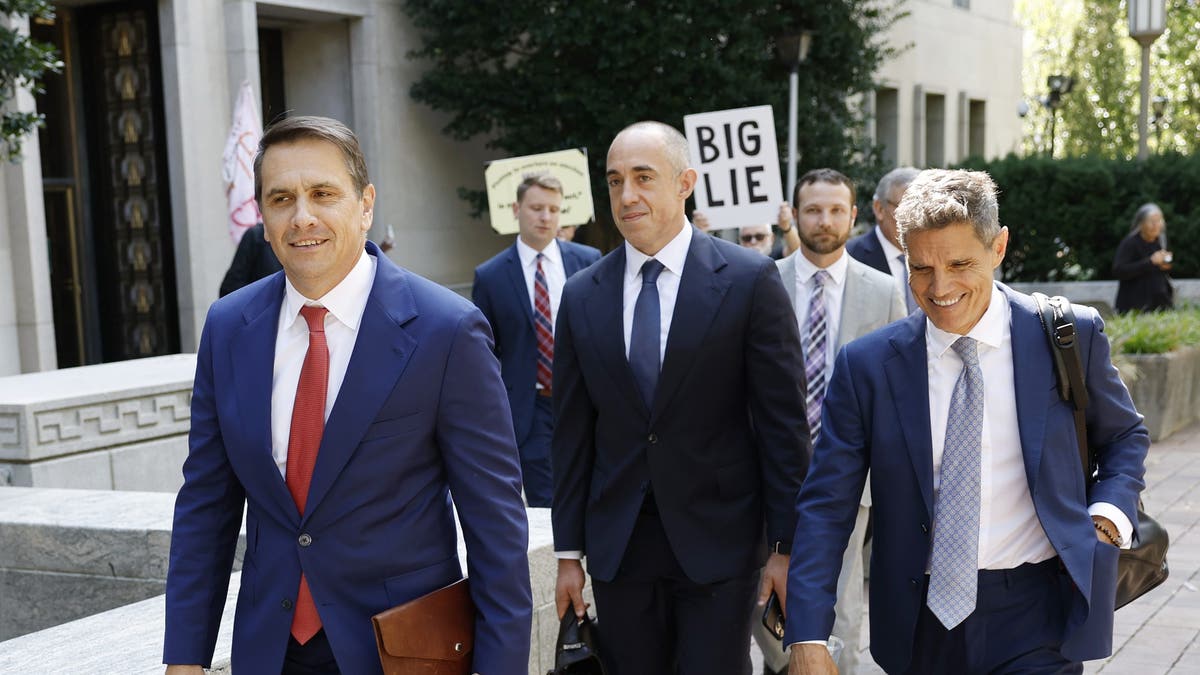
113 235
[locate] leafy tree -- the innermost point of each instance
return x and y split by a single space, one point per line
534 76
22 63
1089 39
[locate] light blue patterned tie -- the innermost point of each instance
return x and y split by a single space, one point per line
815 339
953 567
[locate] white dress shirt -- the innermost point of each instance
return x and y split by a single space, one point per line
1010 533
552 268
345 303
833 291
672 256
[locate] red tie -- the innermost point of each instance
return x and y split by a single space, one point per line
308 424
545 328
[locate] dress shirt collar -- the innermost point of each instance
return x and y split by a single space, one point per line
890 250
345 302
528 254
672 256
991 329
805 269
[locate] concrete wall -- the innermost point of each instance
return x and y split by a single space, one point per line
114 426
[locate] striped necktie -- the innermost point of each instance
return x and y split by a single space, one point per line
815 350
544 327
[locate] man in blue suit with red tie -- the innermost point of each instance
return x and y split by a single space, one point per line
340 405
992 554
519 291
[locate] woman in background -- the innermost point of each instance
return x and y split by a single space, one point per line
1141 264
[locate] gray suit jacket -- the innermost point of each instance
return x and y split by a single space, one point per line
871 301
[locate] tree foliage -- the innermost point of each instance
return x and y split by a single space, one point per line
1089 39
22 63
539 76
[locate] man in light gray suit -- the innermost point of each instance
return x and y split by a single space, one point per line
836 299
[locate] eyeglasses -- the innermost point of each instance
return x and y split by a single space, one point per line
748 238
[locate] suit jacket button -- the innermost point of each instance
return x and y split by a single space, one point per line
286 604
653 438
305 539
924 528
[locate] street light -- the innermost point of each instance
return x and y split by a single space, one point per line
1147 20
792 50
1059 85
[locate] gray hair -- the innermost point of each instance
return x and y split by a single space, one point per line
901 175
674 143
939 198
1143 213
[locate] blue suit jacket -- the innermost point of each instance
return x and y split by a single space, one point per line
501 294
876 417
725 444
420 416
866 249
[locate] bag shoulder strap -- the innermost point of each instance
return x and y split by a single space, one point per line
1058 320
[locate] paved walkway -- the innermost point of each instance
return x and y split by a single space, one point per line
1159 633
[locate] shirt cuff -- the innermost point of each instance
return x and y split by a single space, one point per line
1118 517
569 555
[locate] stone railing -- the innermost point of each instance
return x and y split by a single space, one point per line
115 426
76 552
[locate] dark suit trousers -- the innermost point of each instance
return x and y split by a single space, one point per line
314 657
1016 628
535 454
655 621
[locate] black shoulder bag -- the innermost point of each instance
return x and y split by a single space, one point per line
1143 566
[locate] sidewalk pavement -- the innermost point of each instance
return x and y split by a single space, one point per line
1159 633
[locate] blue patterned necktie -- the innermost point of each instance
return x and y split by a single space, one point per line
645 355
815 351
953 566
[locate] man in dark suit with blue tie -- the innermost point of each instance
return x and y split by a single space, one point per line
991 554
680 437
519 291
341 405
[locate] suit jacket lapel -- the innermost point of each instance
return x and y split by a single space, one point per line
604 312
1033 379
701 291
516 277
381 353
908 371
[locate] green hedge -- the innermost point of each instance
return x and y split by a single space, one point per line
1066 216
1154 333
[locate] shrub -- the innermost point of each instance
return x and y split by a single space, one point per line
1154 332
1066 216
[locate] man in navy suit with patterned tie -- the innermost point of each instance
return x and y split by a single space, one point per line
992 554
680 437
519 291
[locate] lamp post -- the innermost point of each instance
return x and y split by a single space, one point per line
1059 85
1147 20
792 50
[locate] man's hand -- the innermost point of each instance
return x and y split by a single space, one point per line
569 588
811 659
185 670
774 578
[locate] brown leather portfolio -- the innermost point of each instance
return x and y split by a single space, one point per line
431 635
